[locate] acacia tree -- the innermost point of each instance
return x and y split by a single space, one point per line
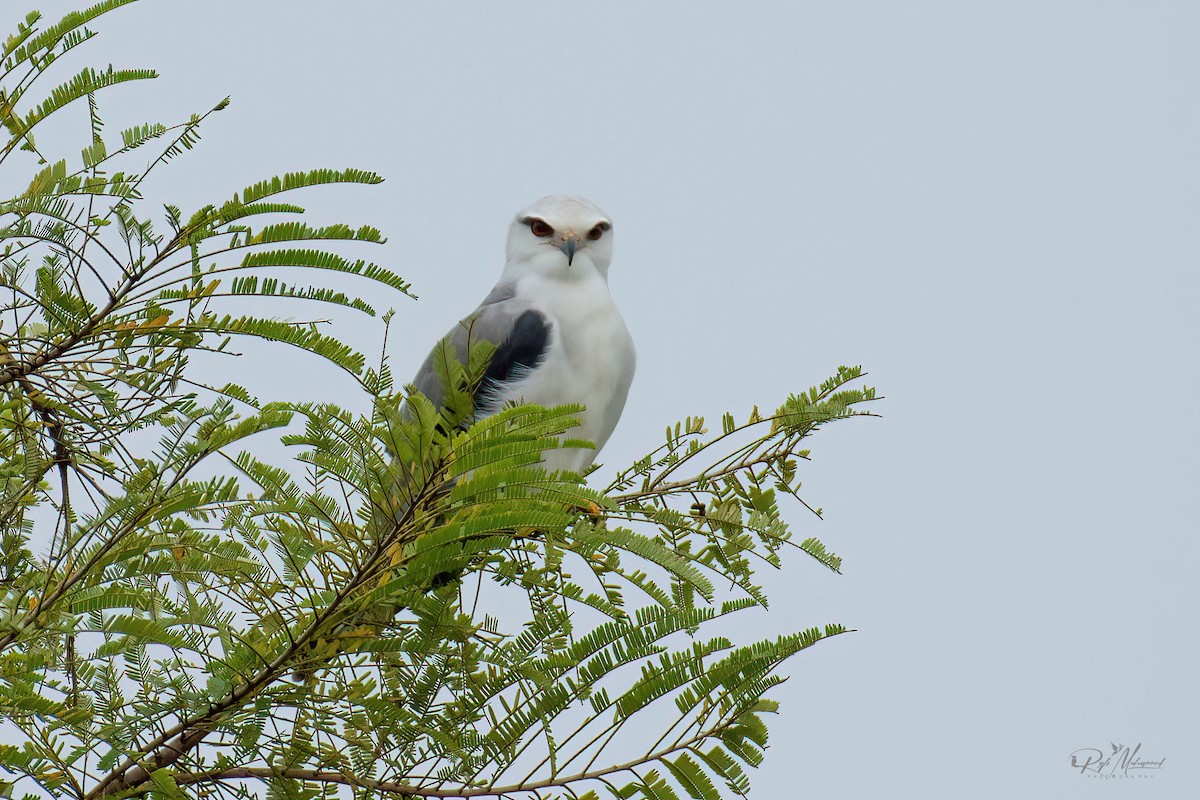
180 617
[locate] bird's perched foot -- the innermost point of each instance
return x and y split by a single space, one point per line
591 511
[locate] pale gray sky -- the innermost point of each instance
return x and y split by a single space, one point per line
992 206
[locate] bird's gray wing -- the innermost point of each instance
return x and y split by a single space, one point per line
520 332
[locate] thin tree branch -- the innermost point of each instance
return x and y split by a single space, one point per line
414 790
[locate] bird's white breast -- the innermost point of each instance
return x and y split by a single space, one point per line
590 360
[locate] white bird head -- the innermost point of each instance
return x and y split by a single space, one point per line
560 236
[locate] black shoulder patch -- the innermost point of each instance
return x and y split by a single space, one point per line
522 350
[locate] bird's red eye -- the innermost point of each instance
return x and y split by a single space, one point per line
598 231
540 228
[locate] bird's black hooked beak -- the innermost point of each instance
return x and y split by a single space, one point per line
568 247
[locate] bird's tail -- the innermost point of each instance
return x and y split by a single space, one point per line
399 517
